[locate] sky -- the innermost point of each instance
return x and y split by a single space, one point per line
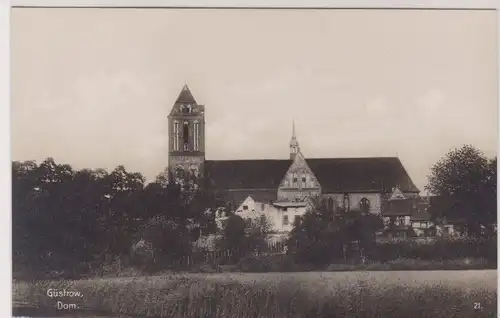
93 87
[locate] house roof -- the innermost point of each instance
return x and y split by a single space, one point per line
260 196
334 174
402 207
290 204
421 214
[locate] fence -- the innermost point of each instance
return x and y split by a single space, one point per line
210 258
224 257
275 243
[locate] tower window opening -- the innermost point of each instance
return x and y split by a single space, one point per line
196 136
185 136
176 136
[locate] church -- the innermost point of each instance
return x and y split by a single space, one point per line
260 185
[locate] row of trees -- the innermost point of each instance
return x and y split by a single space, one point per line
70 220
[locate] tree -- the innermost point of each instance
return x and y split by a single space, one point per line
321 236
170 241
256 234
242 237
233 234
468 179
316 239
65 218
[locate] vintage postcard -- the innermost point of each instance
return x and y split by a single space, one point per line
253 162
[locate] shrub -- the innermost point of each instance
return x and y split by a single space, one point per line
271 263
440 249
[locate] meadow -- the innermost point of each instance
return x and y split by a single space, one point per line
308 294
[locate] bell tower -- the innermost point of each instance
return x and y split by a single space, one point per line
186 137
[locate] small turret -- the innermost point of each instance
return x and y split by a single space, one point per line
294 144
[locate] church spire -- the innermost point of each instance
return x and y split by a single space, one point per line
294 144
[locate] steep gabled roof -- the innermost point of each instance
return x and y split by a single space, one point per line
421 215
260 196
185 96
246 174
361 174
422 212
334 175
403 207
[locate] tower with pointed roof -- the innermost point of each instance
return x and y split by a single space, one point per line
294 144
186 144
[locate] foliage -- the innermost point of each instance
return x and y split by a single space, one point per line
437 249
241 237
321 236
469 180
70 221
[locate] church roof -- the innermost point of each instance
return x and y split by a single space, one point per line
247 174
361 174
334 174
185 96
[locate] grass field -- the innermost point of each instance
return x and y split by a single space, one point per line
341 294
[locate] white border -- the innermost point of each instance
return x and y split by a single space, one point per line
5 175
466 4
5 166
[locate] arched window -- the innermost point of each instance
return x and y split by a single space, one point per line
364 205
185 135
330 205
188 107
176 135
346 202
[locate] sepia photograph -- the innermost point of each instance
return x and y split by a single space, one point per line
254 162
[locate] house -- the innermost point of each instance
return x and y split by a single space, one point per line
281 215
397 214
421 220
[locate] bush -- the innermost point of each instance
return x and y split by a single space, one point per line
440 249
271 263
